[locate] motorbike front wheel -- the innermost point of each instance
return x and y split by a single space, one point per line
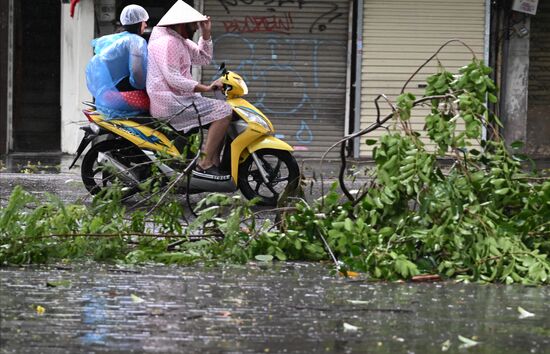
114 162
283 174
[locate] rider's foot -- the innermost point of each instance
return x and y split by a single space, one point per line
212 172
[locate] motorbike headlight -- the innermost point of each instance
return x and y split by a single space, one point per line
253 117
244 86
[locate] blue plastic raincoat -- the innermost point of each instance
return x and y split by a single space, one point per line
117 56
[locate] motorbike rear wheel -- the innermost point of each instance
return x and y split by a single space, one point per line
283 174
131 167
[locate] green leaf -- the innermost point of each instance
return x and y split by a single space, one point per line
386 231
378 203
524 313
350 328
359 302
445 345
136 299
406 268
371 141
57 283
517 144
502 191
280 255
467 342
348 224
497 182
263 257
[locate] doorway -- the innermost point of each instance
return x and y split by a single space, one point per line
36 76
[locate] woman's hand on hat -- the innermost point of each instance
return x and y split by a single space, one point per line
206 28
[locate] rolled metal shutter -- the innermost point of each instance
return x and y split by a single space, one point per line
538 124
400 35
293 56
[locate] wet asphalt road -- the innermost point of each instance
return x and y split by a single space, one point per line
255 308
51 175
271 308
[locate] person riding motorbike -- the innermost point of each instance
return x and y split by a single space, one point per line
116 74
132 153
172 90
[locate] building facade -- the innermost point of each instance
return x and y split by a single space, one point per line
314 68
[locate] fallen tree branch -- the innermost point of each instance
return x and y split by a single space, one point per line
435 55
379 123
129 234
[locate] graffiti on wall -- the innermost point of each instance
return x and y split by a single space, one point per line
282 55
259 66
330 12
253 24
270 5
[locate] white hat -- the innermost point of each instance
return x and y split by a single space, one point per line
133 14
181 13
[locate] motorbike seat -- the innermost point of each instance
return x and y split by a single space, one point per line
144 120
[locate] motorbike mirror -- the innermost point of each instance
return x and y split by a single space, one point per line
222 69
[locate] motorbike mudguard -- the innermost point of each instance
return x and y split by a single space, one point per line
269 142
89 136
265 142
92 138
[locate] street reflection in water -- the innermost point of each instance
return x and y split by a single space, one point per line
259 308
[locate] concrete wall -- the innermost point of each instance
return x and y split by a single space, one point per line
76 35
515 88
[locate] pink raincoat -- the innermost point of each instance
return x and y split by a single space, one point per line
170 84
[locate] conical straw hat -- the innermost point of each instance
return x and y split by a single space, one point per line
181 13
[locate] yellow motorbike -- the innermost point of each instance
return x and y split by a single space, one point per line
123 150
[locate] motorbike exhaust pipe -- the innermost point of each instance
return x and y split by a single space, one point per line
122 171
197 184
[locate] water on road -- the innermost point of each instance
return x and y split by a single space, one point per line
259 308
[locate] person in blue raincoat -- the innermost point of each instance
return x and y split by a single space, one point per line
116 74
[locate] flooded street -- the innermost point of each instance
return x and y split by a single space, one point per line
259 308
